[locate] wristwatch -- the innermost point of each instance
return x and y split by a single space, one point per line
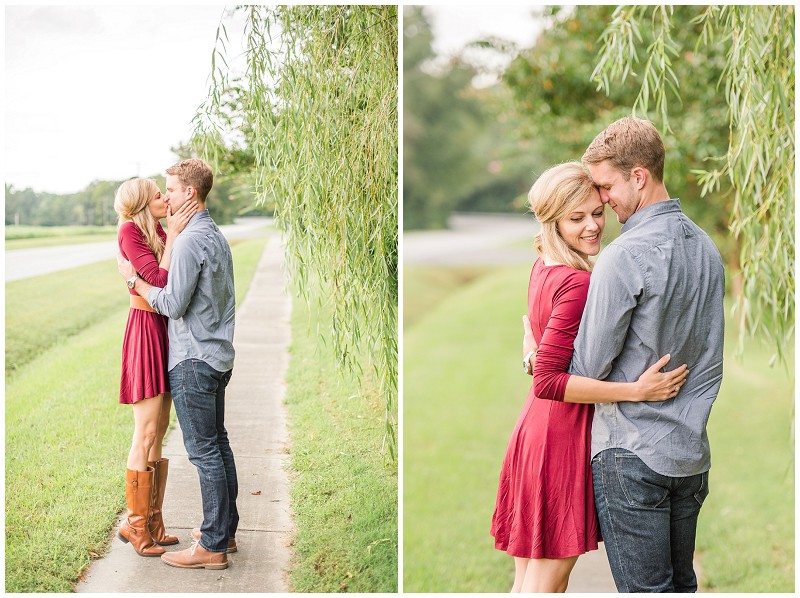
526 362
132 281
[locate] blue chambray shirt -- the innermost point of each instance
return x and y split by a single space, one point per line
199 298
656 289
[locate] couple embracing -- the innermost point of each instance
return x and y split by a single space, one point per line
178 347
608 447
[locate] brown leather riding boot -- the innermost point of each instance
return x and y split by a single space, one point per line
157 530
138 489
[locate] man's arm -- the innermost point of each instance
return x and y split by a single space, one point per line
172 300
615 289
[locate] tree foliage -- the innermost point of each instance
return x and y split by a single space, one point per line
94 205
719 83
557 104
459 152
757 81
317 111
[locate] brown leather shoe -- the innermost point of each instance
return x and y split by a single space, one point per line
156 527
138 488
195 533
196 557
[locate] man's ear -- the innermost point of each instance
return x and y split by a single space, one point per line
640 175
191 192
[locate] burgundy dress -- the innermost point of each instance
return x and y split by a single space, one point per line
545 500
144 347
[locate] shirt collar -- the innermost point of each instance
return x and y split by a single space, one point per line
201 215
656 209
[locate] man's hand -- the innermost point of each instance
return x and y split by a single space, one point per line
126 269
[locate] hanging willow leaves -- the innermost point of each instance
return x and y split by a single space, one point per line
758 84
317 111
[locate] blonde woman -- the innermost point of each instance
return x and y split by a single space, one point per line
545 515
144 381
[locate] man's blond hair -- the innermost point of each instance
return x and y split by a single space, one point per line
626 143
194 173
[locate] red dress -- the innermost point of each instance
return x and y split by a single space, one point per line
144 347
545 499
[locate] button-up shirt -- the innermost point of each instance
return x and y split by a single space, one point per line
656 289
199 297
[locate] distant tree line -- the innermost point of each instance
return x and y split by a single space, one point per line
460 152
94 205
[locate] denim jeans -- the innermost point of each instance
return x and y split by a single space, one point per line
198 392
648 522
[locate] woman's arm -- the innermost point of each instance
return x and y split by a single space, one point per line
652 385
175 224
136 249
551 380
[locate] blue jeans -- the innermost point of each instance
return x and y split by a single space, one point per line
648 522
198 392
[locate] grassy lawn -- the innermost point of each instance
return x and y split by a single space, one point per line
343 491
462 394
66 434
25 237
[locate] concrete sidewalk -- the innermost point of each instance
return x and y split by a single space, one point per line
592 573
256 422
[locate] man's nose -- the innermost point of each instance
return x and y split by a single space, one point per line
604 196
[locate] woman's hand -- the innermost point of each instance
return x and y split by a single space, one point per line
177 222
659 386
528 342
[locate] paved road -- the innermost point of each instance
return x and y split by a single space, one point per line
25 263
479 239
256 422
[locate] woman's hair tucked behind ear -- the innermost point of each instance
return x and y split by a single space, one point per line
553 197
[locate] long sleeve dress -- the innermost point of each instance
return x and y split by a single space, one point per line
545 499
145 345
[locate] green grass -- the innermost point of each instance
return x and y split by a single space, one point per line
425 286
25 237
45 310
66 434
95 291
746 528
343 491
462 394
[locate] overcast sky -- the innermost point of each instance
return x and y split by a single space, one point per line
102 92
454 26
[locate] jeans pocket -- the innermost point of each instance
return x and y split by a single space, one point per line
206 378
702 492
641 486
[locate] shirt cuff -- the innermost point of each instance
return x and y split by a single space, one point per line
152 296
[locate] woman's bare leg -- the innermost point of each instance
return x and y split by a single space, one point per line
163 424
145 429
548 575
520 566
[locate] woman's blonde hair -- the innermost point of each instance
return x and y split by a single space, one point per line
130 204
553 197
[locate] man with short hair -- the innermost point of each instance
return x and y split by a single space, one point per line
200 302
656 289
